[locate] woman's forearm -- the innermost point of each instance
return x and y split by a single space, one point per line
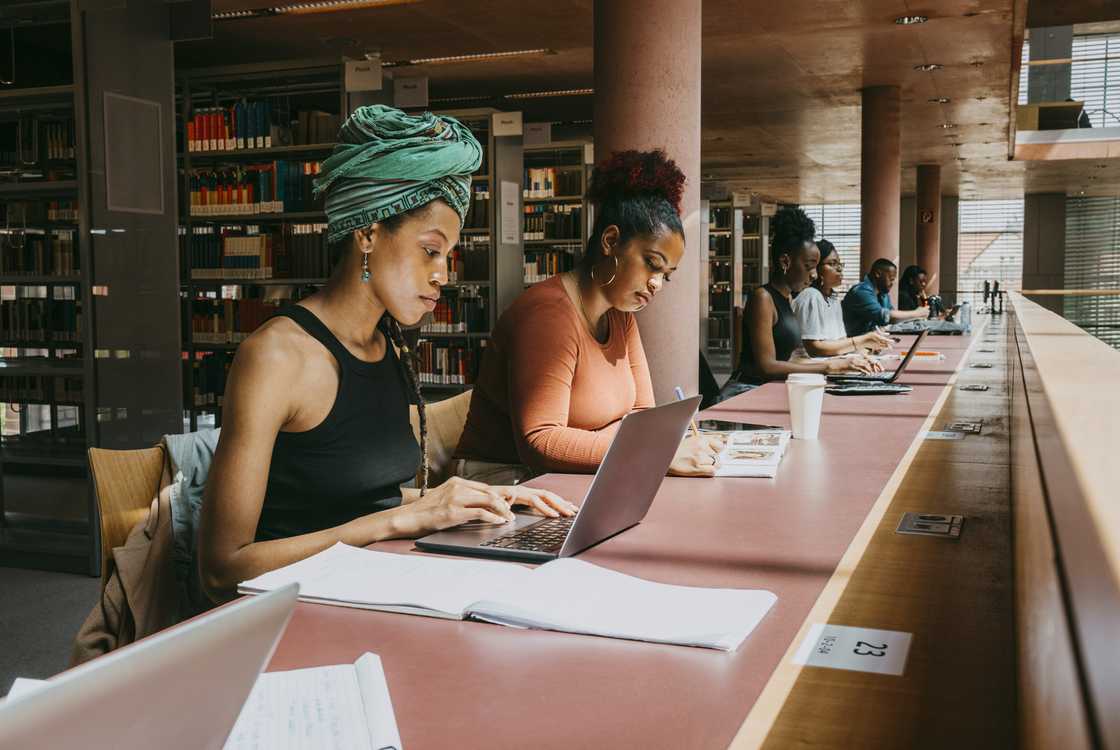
828 347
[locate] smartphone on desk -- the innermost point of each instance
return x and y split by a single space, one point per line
720 425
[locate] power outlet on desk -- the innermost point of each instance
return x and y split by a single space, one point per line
931 524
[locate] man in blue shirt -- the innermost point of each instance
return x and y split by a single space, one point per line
868 303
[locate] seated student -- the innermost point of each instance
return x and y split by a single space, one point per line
771 332
868 303
565 362
818 313
912 289
316 439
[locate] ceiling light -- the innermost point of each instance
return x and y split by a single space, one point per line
977 63
910 20
473 57
947 125
231 14
1101 166
939 100
928 67
557 92
328 6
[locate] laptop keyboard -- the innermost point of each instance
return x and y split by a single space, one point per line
545 536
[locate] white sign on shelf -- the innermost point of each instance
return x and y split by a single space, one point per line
538 133
363 75
511 213
857 649
410 91
505 123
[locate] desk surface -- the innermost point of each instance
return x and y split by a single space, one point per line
466 684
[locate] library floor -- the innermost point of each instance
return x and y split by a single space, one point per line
39 615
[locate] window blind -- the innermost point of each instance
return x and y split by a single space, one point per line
990 244
1093 262
839 223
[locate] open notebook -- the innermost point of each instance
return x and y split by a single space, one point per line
566 594
343 706
753 453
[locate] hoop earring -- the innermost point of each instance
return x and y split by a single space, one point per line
365 268
609 281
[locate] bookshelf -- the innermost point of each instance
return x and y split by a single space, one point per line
250 140
556 213
723 226
84 299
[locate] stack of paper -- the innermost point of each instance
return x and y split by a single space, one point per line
756 453
566 594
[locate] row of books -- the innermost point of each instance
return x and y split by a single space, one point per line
719 298
470 259
541 265
39 320
36 252
227 321
550 182
244 124
447 363
719 327
58 138
28 140
270 187
204 379
544 221
18 214
478 217
719 245
719 217
292 251
720 271
26 389
462 312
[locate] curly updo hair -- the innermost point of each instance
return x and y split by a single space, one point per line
639 192
790 230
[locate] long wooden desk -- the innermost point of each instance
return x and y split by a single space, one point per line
801 535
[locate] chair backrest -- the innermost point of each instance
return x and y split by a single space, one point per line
125 483
736 336
446 420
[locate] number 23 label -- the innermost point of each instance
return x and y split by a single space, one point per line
859 649
863 648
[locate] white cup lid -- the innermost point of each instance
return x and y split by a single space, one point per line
806 378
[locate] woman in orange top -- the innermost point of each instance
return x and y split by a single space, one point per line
566 362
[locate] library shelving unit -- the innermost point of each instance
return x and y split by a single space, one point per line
250 141
724 223
556 213
85 167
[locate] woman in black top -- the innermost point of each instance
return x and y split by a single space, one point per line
316 439
770 329
912 288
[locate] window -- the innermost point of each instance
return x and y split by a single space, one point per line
1094 77
990 244
1093 262
839 223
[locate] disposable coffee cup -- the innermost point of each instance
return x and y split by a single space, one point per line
806 397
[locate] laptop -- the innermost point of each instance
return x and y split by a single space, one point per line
881 377
618 498
183 687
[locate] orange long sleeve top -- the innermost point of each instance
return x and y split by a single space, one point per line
548 394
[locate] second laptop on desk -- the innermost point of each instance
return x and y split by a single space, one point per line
619 496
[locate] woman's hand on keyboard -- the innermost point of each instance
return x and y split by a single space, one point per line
458 501
538 501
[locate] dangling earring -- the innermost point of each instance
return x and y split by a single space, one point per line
365 268
609 281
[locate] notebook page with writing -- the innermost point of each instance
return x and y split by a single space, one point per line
574 596
319 707
413 584
380 719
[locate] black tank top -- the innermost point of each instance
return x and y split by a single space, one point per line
354 461
787 336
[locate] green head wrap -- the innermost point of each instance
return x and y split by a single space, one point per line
387 162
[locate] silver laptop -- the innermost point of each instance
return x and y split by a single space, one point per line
183 687
882 377
618 498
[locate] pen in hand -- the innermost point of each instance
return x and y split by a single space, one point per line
692 422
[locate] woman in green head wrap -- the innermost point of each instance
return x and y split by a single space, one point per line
316 438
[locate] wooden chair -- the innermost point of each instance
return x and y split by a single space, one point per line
125 483
446 420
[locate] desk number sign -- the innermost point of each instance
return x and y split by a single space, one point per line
858 649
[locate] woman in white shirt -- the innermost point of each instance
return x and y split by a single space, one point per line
818 311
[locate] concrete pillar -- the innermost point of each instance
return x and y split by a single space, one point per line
928 231
908 217
647 95
1044 246
950 225
880 176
